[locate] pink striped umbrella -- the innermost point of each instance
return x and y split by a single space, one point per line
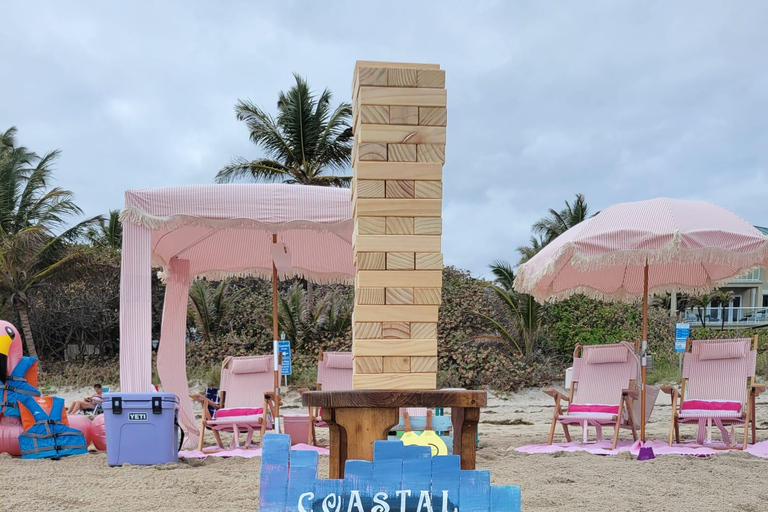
632 249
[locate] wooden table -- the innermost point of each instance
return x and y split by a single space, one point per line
358 418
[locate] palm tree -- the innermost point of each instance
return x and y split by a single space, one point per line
724 297
701 302
528 252
303 144
31 214
108 233
556 223
210 308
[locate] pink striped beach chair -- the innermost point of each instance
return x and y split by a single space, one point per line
334 373
603 388
718 388
247 400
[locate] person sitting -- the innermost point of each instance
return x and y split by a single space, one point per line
88 403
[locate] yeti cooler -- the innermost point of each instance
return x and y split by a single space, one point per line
141 428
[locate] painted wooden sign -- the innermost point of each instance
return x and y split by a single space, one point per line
400 479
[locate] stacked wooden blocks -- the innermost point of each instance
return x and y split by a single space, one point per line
399 123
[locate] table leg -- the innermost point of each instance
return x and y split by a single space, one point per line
464 434
356 429
337 444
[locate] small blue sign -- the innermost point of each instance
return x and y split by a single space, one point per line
682 333
284 346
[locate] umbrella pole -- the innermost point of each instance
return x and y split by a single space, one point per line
274 341
643 350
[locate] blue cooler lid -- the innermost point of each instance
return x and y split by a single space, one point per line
139 400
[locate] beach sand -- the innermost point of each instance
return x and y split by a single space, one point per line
552 482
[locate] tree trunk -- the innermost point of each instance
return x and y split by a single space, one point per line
21 309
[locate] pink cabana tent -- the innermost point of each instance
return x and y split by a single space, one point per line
217 231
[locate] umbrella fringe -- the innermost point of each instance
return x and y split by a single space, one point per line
219 275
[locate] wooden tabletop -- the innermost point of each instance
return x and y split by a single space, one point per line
374 398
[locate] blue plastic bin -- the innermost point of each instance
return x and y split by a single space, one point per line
141 428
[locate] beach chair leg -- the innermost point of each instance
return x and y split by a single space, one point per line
201 437
752 419
552 428
631 420
617 425
218 438
584 432
747 420
567 433
674 430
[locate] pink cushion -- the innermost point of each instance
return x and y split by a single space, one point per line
238 411
734 350
250 365
342 361
607 355
711 406
593 408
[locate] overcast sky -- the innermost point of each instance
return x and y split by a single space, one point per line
619 100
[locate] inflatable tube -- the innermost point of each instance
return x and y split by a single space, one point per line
84 424
15 354
98 433
10 428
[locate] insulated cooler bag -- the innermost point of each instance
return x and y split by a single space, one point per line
141 428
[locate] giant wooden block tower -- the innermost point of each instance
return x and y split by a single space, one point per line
399 124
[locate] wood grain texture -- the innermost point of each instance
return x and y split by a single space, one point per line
401 261
399 381
397 243
421 316
433 116
371 152
371 261
384 399
404 115
422 364
400 189
401 152
429 261
387 64
398 295
396 364
430 153
399 207
375 76
427 296
400 134
371 226
406 96
403 347
428 226
398 225
367 330
395 330
398 171
402 77
401 279
428 189
370 296
375 114
370 188
368 364
430 78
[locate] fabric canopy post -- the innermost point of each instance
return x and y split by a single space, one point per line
135 310
172 351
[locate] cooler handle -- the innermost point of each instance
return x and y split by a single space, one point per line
157 405
117 405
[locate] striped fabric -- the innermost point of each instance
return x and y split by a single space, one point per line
718 379
690 246
334 379
247 389
602 383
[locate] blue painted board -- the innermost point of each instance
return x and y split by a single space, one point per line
475 491
506 498
273 483
302 473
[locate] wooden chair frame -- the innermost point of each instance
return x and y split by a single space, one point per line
678 396
625 404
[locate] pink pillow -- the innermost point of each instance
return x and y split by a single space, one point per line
599 355
341 361
727 350
238 411
250 365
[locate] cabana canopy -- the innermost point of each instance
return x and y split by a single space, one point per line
217 231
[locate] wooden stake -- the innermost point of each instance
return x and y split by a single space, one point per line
644 342
275 333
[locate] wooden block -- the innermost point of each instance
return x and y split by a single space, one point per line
400 189
420 314
403 279
374 114
406 96
397 243
400 134
423 330
370 296
371 261
403 115
367 330
428 189
399 295
428 225
402 77
371 188
399 381
371 226
400 207
401 261
398 225
429 261
398 171
421 364
376 76
396 330
396 364
400 347
430 78
372 152
433 116
368 364
386 64
430 153
402 152
427 296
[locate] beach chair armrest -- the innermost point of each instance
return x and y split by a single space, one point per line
302 390
197 397
670 390
631 393
556 394
757 389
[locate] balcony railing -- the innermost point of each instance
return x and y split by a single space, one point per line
733 316
756 276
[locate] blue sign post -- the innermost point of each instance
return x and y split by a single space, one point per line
284 346
682 333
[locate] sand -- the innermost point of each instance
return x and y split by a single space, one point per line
555 482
